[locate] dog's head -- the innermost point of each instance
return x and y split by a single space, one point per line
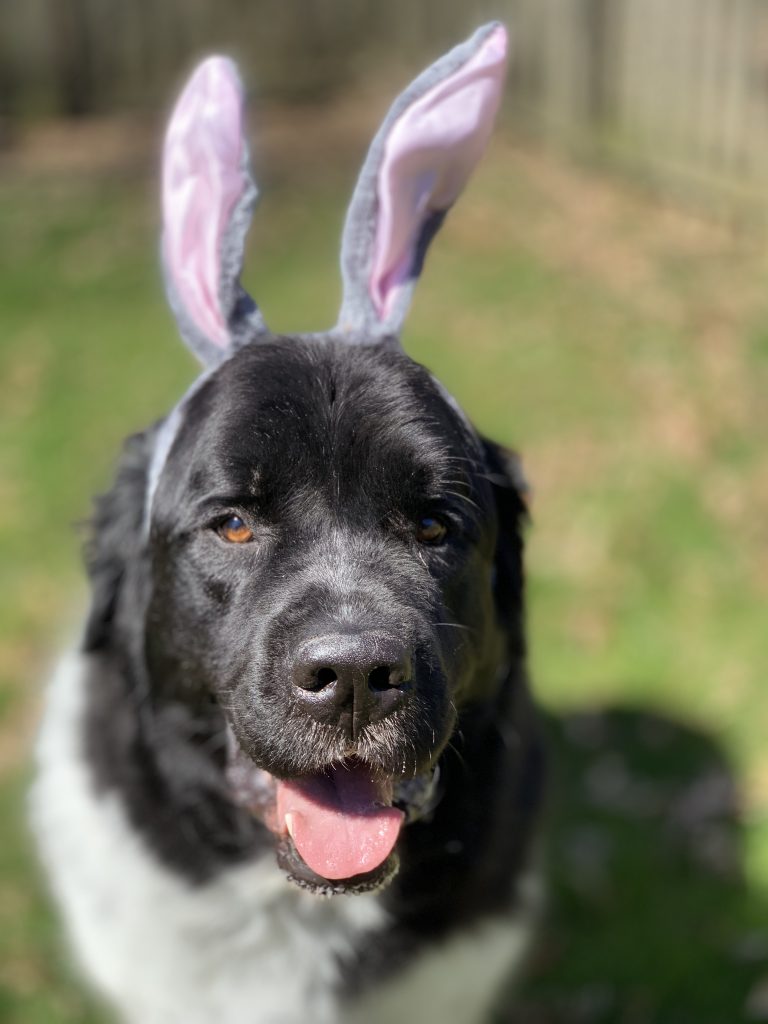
323 559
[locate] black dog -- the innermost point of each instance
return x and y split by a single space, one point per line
304 661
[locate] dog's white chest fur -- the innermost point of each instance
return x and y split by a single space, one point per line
249 948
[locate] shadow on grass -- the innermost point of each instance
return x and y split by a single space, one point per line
650 918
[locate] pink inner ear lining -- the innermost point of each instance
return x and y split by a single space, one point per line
428 157
202 182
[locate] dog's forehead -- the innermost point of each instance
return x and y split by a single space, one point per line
306 404
303 393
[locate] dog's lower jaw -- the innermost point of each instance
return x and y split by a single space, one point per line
304 878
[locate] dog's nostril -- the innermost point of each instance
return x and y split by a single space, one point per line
383 677
325 676
307 677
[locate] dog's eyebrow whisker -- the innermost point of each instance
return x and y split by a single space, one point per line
464 497
474 463
459 481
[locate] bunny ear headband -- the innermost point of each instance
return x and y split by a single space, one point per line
418 163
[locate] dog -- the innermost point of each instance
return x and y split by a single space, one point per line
293 771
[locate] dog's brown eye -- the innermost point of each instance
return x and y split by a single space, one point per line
235 531
431 530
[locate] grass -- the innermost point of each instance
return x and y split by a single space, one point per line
623 348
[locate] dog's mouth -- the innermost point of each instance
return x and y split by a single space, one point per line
336 830
342 822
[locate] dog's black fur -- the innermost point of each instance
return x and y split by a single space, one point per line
330 453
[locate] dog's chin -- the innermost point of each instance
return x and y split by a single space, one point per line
336 831
301 874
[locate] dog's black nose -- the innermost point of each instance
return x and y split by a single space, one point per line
352 679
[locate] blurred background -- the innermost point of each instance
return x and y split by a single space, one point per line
597 300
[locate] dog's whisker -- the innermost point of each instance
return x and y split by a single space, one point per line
462 760
457 625
422 559
469 501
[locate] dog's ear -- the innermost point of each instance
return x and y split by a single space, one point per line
418 163
510 491
208 199
116 537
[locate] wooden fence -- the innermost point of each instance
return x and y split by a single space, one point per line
673 89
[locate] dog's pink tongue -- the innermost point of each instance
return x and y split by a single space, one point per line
339 822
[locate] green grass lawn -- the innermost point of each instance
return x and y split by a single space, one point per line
623 348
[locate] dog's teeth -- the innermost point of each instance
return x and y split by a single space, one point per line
289 824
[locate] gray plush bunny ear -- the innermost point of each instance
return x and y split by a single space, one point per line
418 163
208 199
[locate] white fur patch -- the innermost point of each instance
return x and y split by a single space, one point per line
454 982
247 948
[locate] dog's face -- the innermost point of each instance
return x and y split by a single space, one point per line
322 556
319 562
